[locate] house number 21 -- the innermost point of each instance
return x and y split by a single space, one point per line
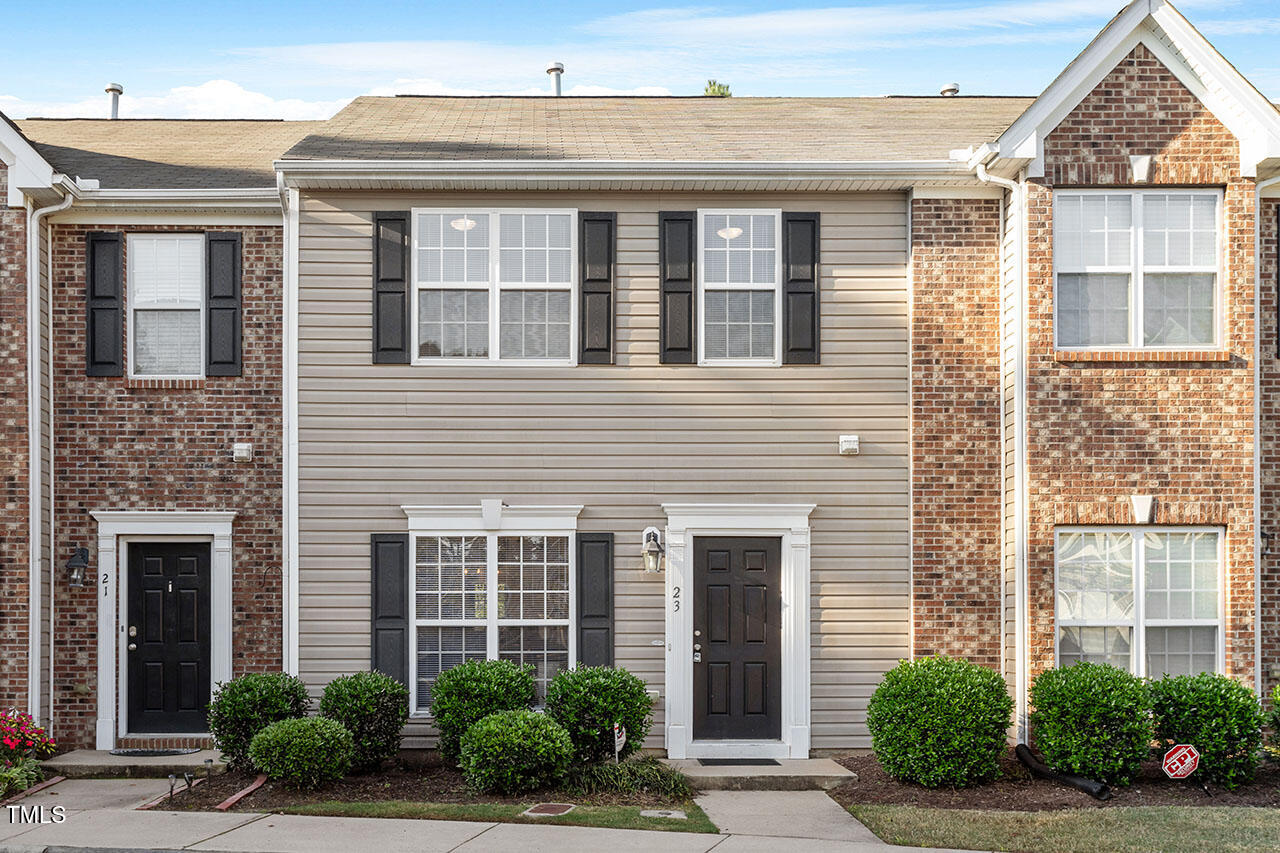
675 599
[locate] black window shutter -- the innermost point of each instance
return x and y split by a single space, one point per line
801 322
595 599
597 234
391 288
222 311
104 303
389 645
677 265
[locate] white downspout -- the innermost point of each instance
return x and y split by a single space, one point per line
1017 193
289 203
35 429
1257 430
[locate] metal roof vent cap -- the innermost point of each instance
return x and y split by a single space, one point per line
115 90
556 70
950 90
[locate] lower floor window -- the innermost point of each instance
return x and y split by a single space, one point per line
1148 601
490 596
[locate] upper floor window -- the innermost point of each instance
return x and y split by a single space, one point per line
495 285
166 305
739 276
1137 269
1145 600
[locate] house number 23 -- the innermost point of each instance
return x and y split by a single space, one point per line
675 599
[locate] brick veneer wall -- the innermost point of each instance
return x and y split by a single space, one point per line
955 440
1180 429
125 444
1269 511
14 545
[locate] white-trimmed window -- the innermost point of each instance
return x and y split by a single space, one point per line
166 305
739 276
1137 270
495 584
1148 600
495 285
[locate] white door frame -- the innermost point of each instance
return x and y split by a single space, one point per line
789 522
115 531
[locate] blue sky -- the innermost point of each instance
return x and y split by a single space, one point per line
305 59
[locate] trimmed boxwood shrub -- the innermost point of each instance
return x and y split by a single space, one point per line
1217 715
940 721
588 700
467 693
511 752
244 706
1092 720
306 752
1274 719
374 707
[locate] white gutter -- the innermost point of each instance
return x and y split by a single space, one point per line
265 198
35 430
289 201
1257 431
1017 193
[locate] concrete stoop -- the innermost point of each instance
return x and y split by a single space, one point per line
101 764
808 774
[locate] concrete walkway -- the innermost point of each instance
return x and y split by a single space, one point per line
102 814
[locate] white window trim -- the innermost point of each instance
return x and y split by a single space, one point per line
131 305
491 518
1138 648
495 287
1137 268
790 523
700 306
115 531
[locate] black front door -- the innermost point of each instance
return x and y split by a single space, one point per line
168 636
737 621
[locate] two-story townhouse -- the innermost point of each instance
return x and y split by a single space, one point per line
751 396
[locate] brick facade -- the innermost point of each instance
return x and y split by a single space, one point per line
1179 428
125 444
955 439
1269 510
14 508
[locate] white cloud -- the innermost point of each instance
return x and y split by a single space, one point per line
213 99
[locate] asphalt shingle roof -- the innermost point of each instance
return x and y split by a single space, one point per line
166 153
648 128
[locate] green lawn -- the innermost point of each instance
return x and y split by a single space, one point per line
1170 829
613 817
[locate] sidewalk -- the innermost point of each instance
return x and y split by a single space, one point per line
100 814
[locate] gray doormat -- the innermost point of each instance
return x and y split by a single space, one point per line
152 753
738 762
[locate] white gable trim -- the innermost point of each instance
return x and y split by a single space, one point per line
1188 56
27 169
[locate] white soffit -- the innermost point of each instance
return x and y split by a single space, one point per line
1156 24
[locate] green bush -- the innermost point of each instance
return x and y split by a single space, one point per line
244 706
1274 720
1217 715
638 776
940 721
374 707
511 752
1092 720
305 752
471 691
18 776
587 701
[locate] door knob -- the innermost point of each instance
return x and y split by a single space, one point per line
133 647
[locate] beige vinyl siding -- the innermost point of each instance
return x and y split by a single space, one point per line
620 440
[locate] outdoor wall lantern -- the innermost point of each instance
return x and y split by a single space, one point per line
77 565
652 550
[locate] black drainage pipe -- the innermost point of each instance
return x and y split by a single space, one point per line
1097 790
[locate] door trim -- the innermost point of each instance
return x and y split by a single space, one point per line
115 531
790 522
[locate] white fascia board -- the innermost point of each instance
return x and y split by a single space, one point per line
27 169
1213 80
247 206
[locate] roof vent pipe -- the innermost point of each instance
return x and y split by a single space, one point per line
556 70
115 90
950 90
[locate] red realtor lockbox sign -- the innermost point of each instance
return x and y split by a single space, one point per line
1181 761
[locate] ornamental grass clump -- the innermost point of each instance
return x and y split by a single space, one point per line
1217 715
940 722
1092 720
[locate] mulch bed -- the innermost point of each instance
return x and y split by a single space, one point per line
416 782
1018 790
